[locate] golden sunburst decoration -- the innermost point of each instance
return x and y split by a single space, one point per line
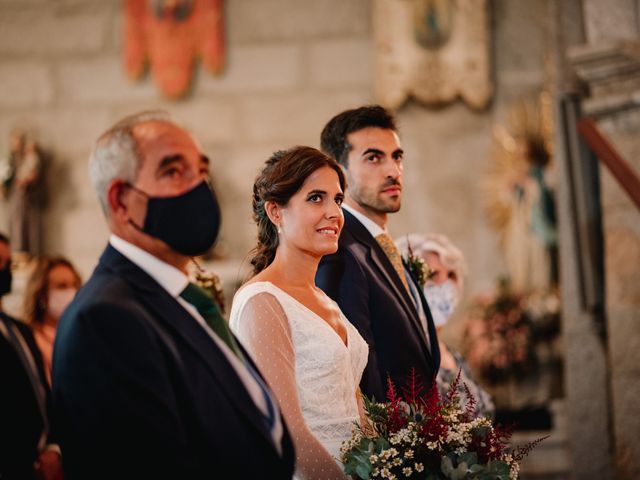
517 198
524 140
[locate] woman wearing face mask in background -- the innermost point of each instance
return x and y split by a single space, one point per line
50 289
443 289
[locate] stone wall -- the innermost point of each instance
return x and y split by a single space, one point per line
61 76
291 66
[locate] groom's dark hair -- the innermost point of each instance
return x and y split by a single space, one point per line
333 139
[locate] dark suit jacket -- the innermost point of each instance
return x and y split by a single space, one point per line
362 280
21 419
141 391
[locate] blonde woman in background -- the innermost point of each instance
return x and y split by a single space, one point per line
50 289
443 290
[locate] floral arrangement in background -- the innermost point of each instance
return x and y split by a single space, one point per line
503 332
419 435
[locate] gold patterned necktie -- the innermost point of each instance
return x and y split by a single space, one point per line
393 254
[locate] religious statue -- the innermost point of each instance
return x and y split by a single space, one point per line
520 200
20 173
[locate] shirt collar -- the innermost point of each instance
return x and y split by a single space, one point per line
169 277
372 227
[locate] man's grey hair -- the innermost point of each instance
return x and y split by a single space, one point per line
116 154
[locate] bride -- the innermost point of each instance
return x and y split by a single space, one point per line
311 356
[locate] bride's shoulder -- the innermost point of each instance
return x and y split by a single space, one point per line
257 287
255 298
253 289
261 293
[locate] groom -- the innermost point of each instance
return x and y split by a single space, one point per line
148 382
367 276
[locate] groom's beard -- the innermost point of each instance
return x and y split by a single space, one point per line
376 199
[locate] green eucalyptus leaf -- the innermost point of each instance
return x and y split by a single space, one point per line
381 444
446 465
500 469
470 458
461 470
357 463
363 471
453 457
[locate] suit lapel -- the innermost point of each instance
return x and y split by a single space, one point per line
179 323
383 264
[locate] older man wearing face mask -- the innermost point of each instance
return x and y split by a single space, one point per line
442 290
148 381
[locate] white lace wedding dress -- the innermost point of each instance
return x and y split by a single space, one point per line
310 369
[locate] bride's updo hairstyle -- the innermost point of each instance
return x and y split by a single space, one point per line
280 179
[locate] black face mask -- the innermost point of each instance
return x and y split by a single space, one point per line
188 223
5 280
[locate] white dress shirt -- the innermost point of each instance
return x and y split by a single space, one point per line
372 227
174 282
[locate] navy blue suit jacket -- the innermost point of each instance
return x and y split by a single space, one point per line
362 280
141 391
22 420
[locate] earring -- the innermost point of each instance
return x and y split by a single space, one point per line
279 230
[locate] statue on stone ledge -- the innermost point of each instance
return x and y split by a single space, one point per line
20 174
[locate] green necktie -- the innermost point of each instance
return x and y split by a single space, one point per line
209 310
203 302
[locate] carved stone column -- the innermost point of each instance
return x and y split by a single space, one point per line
607 66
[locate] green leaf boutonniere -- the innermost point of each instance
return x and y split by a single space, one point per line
417 266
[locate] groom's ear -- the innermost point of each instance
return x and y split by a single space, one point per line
273 211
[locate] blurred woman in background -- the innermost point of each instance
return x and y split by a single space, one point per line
50 289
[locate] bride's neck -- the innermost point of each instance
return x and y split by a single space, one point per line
295 268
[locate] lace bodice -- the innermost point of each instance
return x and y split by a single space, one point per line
312 372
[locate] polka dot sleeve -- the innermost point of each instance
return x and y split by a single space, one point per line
264 331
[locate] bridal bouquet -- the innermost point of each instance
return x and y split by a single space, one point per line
421 436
